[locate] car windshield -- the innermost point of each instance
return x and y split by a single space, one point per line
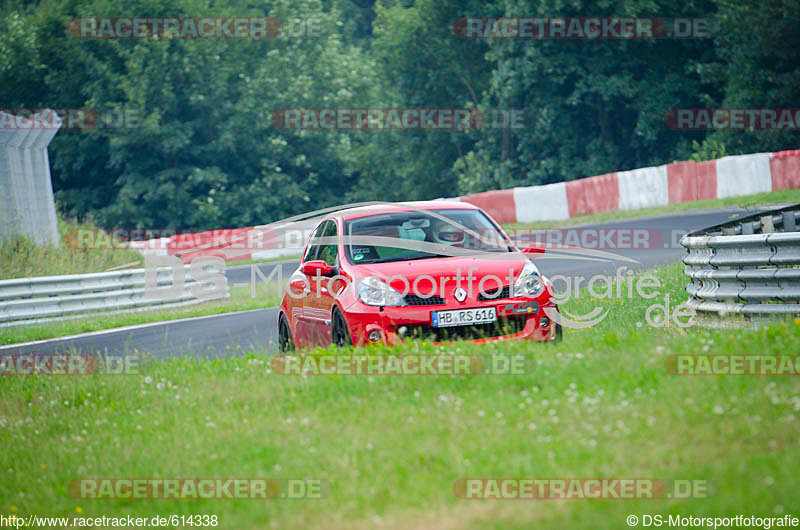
419 234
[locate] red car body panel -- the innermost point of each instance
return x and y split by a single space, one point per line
309 313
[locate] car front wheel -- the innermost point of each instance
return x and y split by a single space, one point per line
340 334
285 343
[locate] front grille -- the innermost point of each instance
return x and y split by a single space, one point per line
503 326
415 299
490 295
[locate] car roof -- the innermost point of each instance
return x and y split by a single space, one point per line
375 209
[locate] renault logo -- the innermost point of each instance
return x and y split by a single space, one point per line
460 294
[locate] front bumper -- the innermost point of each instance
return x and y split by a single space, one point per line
517 318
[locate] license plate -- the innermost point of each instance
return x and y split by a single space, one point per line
463 317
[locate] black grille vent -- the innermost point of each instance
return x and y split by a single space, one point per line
503 326
505 292
414 299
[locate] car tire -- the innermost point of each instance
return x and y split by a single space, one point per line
340 334
559 334
285 342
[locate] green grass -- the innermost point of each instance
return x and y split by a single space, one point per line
747 201
21 258
279 259
599 404
241 299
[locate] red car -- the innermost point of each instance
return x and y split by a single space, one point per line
439 270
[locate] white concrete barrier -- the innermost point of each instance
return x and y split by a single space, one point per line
743 175
541 203
643 188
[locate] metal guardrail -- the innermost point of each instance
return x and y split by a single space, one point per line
745 271
48 298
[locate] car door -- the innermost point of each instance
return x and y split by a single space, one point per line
300 295
320 299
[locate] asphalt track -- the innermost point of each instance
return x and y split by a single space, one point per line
235 333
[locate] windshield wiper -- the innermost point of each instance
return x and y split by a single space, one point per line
412 258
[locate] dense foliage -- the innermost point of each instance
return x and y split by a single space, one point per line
204 152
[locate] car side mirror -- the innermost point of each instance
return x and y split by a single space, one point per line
317 267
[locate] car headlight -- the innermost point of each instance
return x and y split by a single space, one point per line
374 291
529 282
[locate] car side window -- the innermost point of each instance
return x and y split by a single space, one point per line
328 253
313 249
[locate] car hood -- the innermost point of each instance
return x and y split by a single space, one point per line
452 267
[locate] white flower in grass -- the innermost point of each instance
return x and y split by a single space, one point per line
481 413
148 380
718 410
